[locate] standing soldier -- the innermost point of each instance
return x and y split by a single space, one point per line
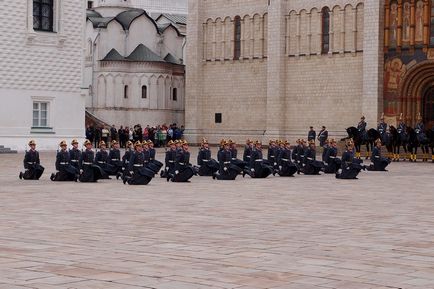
421 138
183 169
75 154
378 162
66 172
207 165
90 173
403 137
32 164
382 127
311 135
323 136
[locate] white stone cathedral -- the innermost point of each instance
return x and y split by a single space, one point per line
134 65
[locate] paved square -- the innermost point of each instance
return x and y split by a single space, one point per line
304 232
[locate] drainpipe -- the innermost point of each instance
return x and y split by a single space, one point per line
94 67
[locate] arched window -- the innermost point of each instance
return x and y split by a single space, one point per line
325 35
175 94
237 37
126 91
43 15
144 91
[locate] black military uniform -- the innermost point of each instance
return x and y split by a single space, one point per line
286 167
141 175
114 160
311 135
311 165
258 167
351 166
66 171
227 170
323 136
273 153
183 169
234 154
154 165
207 165
247 152
101 160
378 162
169 160
74 155
90 171
331 161
32 164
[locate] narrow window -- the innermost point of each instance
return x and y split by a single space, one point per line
325 36
40 114
43 15
144 91
175 94
237 38
126 91
218 118
89 4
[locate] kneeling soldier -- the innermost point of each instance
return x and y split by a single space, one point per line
227 170
140 175
351 166
32 166
258 167
286 167
66 172
90 172
75 154
378 162
332 162
207 165
183 169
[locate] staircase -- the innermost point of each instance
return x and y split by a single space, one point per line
4 150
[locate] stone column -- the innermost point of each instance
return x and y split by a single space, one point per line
373 61
194 88
276 69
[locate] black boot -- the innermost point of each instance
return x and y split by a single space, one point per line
21 175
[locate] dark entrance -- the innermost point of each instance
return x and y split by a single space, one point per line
428 107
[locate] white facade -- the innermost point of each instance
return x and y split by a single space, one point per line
41 75
152 6
134 67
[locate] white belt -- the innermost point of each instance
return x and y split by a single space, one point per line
272 156
258 160
227 162
85 163
171 161
234 159
248 157
311 159
286 160
74 161
137 165
115 159
30 163
127 162
332 157
205 161
377 157
182 164
101 162
64 163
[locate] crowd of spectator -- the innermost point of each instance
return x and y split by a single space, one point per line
160 134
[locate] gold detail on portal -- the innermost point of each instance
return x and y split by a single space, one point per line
394 72
430 53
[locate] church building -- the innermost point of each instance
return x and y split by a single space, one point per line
272 68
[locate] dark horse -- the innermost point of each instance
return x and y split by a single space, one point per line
399 139
430 136
356 135
415 142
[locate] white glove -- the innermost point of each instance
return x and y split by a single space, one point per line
176 172
167 168
275 164
131 172
81 171
252 170
225 168
280 167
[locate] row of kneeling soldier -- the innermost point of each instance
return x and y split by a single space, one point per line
138 165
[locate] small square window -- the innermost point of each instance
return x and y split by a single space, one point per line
218 118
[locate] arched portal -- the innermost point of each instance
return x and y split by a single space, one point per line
417 92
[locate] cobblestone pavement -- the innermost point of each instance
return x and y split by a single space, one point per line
281 233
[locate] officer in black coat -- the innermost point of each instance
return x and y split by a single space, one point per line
258 167
311 135
32 164
207 165
89 172
227 170
311 165
66 172
378 162
169 160
286 167
351 166
382 127
75 154
140 174
102 160
183 169
323 135
331 161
